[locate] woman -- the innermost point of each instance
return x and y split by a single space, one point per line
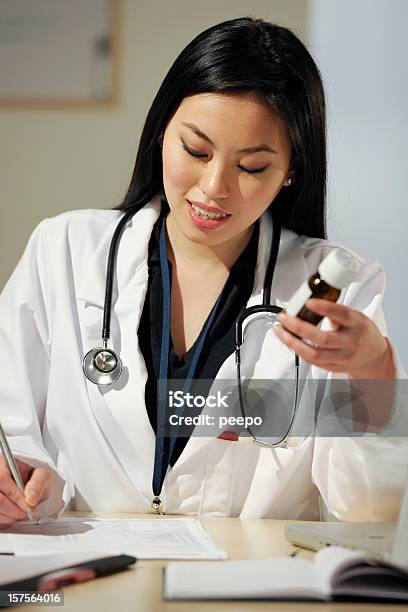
236 131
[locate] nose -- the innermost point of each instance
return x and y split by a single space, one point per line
214 181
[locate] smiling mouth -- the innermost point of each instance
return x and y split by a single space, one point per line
206 214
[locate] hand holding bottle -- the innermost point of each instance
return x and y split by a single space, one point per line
354 345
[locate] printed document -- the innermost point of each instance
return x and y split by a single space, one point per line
178 538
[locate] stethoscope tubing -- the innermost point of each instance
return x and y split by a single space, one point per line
110 272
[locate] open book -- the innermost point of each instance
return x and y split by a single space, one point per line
334 573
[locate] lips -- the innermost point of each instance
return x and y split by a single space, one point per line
211 209
205 223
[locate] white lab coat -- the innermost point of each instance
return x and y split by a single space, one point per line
98 441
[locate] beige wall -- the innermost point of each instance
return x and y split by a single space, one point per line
57 160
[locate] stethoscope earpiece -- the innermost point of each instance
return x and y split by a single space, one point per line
102 366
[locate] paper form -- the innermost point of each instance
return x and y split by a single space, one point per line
183 538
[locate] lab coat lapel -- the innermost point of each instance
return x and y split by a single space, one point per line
120 408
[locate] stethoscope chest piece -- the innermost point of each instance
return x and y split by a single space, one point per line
102 366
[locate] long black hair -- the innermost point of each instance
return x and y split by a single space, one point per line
248 55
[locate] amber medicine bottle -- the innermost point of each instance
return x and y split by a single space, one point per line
335 272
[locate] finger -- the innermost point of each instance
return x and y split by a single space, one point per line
25 470
325 339
344 315
312 354
9 488
4 471
37 488
9 510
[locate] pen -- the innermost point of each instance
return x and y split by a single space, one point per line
61 576
13 467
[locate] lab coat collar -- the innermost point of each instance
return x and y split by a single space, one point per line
288 275
132 257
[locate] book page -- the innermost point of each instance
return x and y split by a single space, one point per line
373 581
333 560
278 577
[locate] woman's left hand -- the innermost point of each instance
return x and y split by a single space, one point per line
355 346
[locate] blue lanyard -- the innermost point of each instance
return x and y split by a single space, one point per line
160 467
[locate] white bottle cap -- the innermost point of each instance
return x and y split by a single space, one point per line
339 268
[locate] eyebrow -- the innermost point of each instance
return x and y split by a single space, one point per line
201 134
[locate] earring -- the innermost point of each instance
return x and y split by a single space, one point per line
289 181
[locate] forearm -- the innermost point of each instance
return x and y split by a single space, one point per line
373 388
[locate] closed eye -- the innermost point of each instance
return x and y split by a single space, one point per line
200 155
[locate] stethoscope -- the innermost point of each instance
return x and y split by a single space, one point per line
103 366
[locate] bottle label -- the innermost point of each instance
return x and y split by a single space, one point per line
298 299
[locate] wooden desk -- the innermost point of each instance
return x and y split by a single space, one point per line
140 589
